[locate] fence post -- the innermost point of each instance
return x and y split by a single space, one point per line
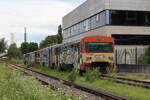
125 55
136 56
116 56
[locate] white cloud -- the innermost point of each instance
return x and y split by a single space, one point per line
14 16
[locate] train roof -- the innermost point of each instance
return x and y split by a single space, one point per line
70 43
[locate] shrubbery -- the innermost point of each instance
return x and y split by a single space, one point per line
16 61
145 58
15 86
92 75
73 75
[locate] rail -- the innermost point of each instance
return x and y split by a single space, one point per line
104 95
139 83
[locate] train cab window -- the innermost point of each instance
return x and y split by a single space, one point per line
99 47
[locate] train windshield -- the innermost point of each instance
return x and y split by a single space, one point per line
99 47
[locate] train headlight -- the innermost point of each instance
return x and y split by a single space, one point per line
111 58
88 58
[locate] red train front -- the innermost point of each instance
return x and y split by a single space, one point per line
98 51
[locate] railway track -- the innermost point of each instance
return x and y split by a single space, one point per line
139 83
91 94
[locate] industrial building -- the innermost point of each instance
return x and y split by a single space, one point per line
127 21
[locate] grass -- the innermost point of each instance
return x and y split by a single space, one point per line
14 85
119 89
137 77
128 91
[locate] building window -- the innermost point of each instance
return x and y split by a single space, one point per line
110 17
82 27
97 18
130 18
147 18
87 25
103 18
107 17
64 33
68 33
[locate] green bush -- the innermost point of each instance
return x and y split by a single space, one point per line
14 85
145 58
92 75
73 75
30 64
111 72
16 61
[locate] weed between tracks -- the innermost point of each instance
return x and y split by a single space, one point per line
15 86
128 91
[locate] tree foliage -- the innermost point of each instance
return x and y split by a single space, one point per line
24 47
3 45
49 41
14 52
145 58
28 47
32 47
59 35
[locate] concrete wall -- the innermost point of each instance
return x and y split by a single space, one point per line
109 30
91 7
84 11
141 5
134 30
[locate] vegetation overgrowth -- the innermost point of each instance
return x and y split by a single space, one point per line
125 90
145 58
73 75
14 85
3 45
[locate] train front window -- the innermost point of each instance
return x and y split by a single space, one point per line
99 47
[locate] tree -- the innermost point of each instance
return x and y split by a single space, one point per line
28 47
24 47
3 45
147 55
49 41
145 58
14 52
59 35
32 47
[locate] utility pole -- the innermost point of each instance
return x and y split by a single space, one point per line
25 34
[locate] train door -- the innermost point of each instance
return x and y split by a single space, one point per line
51 57
76 55
57 56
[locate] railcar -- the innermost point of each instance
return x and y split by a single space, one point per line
88 53
98 51
45 57
29 58
38 56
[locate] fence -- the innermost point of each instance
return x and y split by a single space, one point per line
128 54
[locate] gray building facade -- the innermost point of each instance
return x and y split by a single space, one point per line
128 21
107 17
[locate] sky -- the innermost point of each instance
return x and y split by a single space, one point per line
40 17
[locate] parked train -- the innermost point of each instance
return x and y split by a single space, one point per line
90 52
